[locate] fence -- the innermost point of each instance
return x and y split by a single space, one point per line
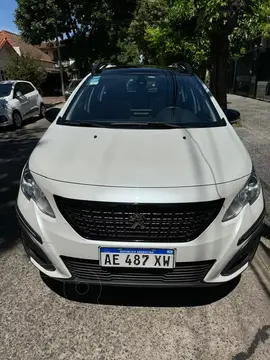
250 75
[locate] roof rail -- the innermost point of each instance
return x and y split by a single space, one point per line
98 67
184 66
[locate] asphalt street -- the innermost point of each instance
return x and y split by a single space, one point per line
41 319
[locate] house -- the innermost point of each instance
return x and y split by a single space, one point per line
12 44
50 49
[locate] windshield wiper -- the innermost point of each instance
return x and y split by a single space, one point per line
151 124
165 125
82 123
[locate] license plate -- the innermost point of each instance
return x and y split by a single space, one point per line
137 258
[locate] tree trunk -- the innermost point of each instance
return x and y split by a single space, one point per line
219 68
201 71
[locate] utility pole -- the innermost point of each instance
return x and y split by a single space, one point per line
60 62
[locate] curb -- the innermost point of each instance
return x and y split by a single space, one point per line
261 264
48 106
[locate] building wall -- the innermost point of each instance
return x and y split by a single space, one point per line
47 65
51 52
6 54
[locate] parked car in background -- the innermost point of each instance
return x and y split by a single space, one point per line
141 181
71 87
19 100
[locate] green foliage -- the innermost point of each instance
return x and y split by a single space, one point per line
26 68
203 32
185 30
89 30
129 52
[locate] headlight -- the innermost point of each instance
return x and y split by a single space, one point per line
31 190
247 195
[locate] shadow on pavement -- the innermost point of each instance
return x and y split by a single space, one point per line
131 296
15 148
266 231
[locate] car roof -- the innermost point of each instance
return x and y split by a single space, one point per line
180 68
144 69
7 82
14 81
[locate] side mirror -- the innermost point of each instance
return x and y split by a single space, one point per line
232 115
51 114
18 94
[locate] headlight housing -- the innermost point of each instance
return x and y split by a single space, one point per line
31 190
247 195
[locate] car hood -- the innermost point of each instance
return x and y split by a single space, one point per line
140 158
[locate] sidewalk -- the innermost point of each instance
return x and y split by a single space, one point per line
51 101
255 134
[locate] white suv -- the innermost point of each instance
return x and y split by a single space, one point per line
141 181
19 100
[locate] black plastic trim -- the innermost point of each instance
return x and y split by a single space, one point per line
34 251
26 227
95 275
254 231
243 256
63 204
75 281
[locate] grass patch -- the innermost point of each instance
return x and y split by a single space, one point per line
238 124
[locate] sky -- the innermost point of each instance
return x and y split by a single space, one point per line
7 8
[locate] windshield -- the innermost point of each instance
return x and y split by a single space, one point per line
141 98
5 89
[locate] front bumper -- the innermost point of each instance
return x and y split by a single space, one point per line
219 254
5 121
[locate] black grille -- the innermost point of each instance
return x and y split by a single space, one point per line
184 273
138 222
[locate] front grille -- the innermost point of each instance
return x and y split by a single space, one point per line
138 222
184 273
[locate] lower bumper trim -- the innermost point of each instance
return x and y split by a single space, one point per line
254 231
35 252
184 274
26 227
30 239
243 256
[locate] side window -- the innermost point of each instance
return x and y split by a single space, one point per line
18 87
27 88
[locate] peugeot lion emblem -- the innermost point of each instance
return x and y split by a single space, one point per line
138 221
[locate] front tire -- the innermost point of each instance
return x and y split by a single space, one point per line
42 111
17 119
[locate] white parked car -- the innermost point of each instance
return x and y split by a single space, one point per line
142 185
19 100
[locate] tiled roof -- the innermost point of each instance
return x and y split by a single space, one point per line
16 41
47 45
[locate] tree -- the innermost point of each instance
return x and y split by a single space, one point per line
129 52
26 68
202 31
89 30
